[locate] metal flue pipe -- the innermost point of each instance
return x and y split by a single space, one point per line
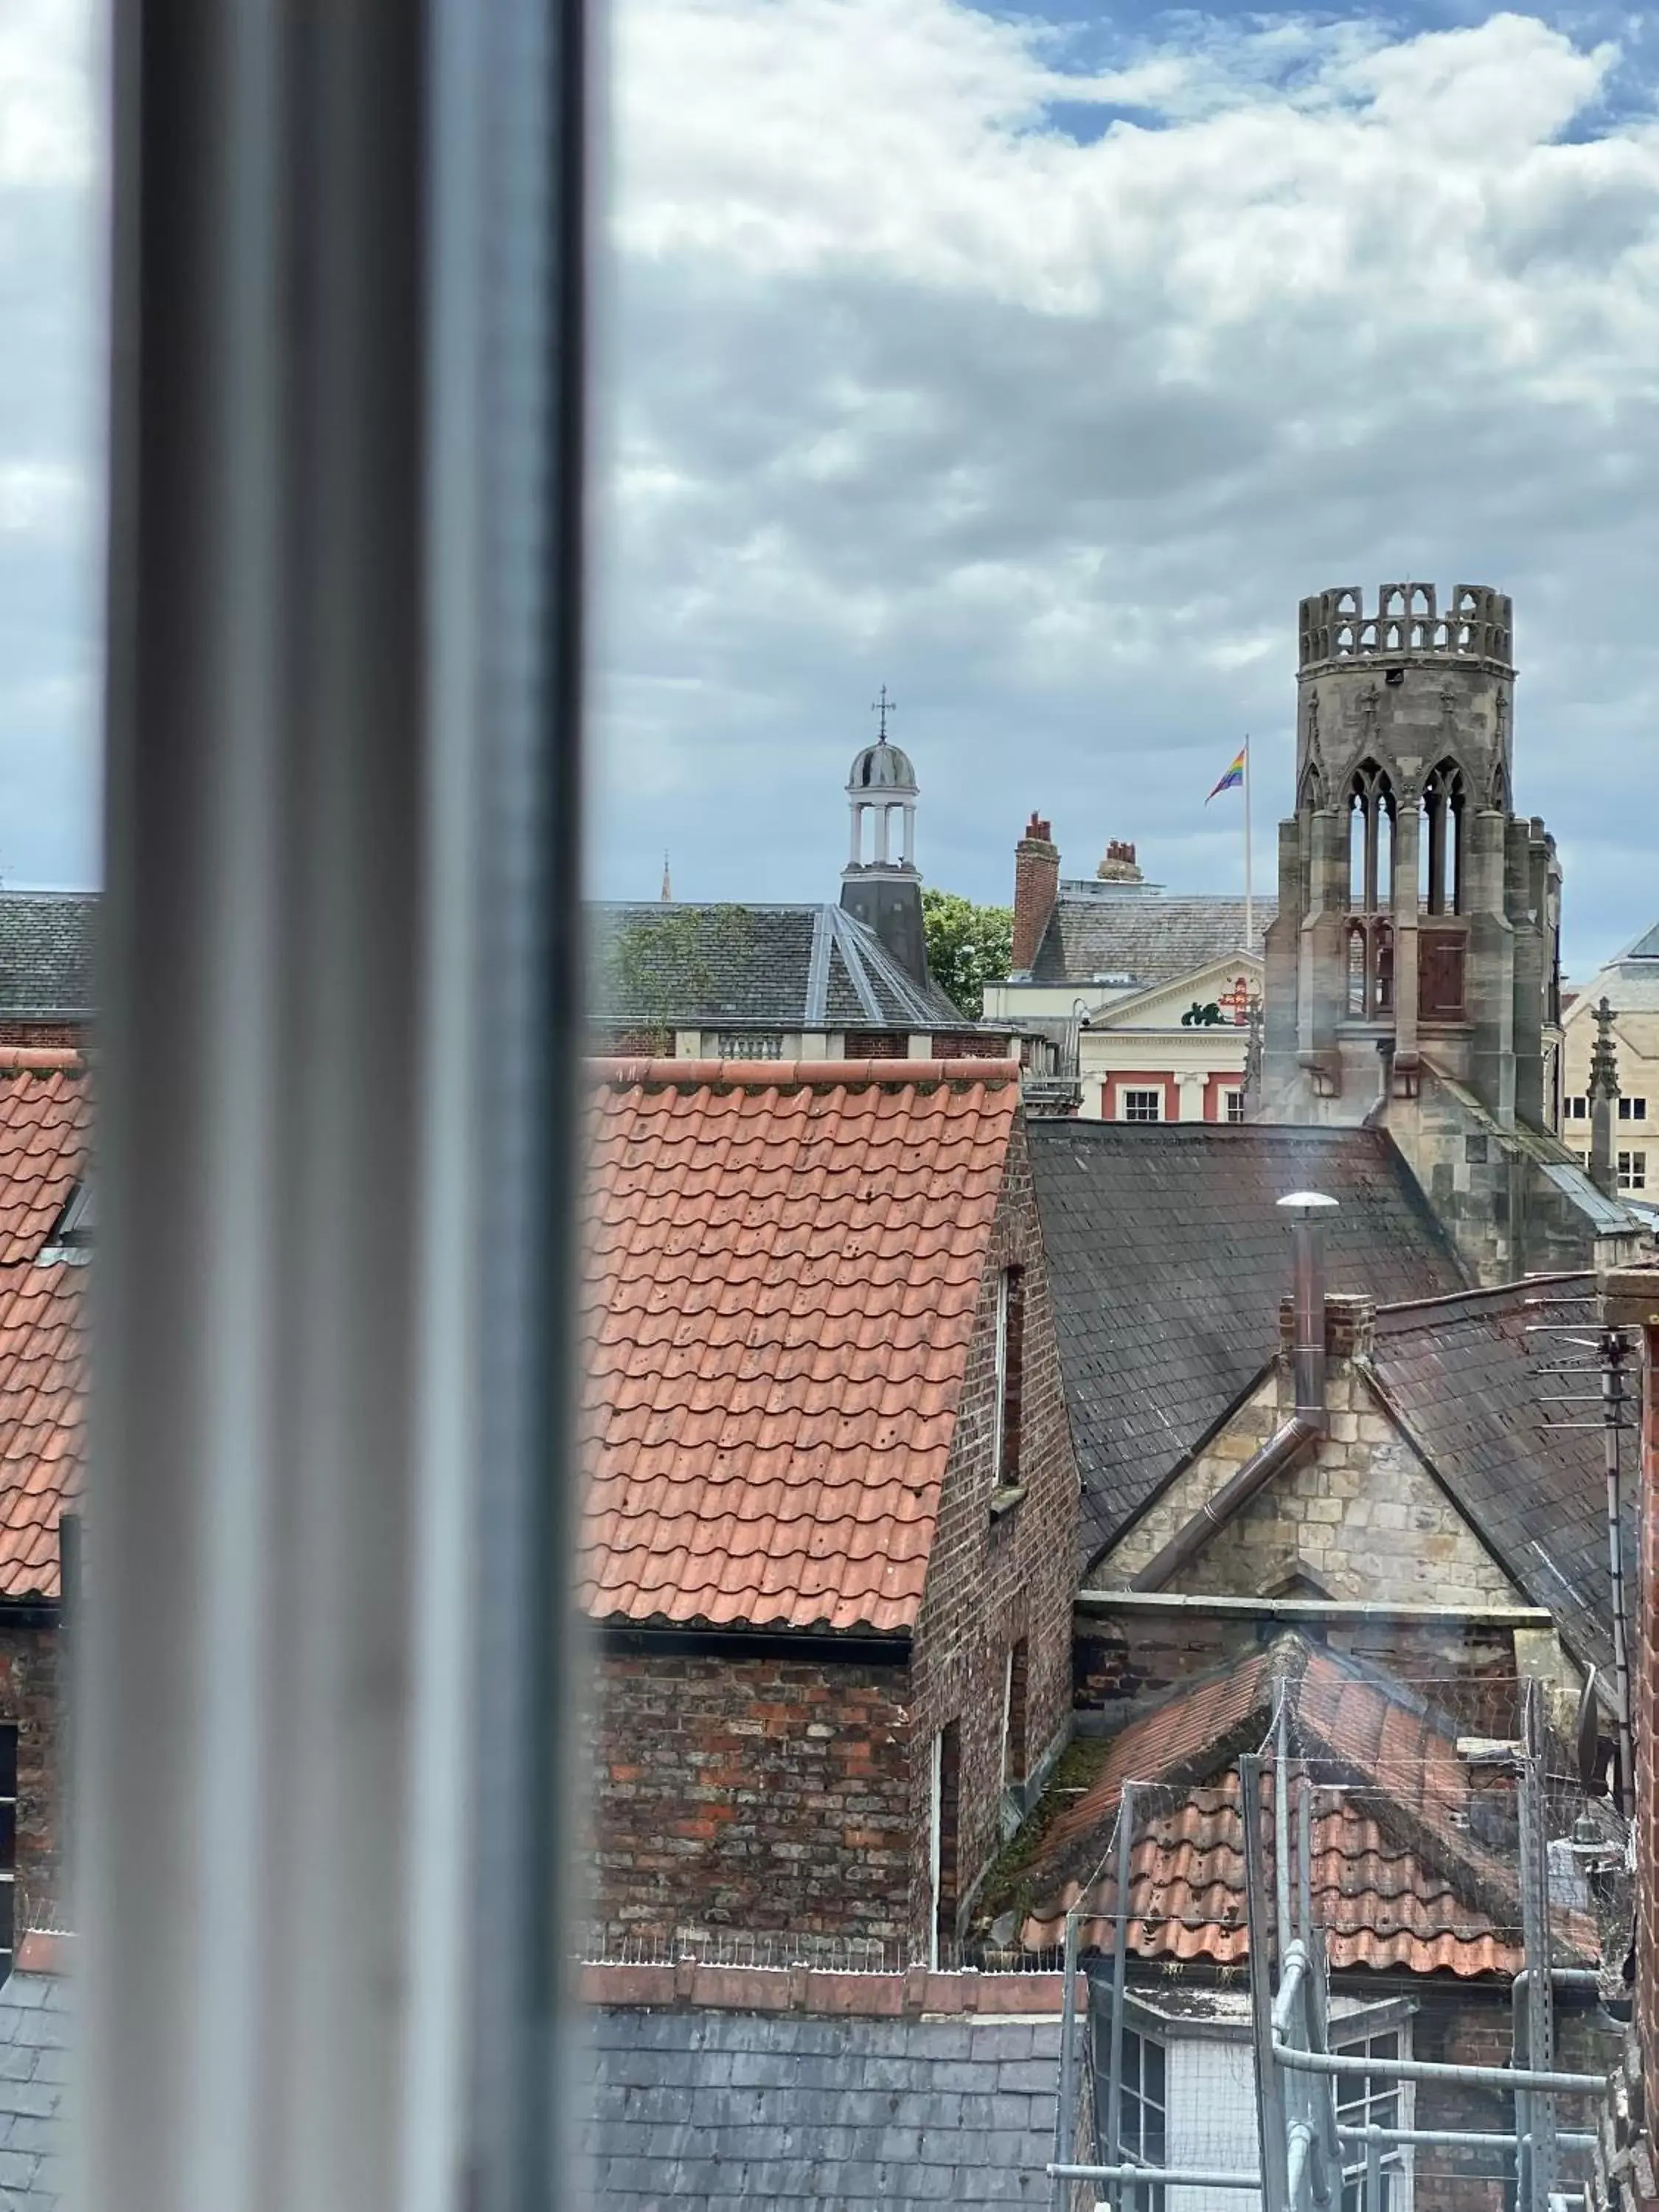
1292 1438
1308 1210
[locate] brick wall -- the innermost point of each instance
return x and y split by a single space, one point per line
1476 2030
1470 2033
28 1696
43 1036
1037 885
1124 1659
993 1580
749 1794
795 1794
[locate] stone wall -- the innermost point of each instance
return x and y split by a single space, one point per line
1487 1188
1360 1518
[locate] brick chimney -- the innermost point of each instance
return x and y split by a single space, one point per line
1036 884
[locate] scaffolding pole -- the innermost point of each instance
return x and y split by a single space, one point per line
1065 2118
1126 1841
1614 1350
1269 2088
1535 2116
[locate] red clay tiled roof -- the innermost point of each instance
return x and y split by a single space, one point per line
43 1115
786 1259
44 1110
1398 1878
1380 1905
40 1414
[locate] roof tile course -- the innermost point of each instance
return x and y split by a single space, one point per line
47 944
35 2023
695 966
1461 1378
45 1114
1154 936
1168 1261
785 1265
706 2111
1399 1878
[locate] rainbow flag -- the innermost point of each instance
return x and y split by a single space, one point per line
1233 778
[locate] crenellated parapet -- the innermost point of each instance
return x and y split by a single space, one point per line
1406 623
1413 968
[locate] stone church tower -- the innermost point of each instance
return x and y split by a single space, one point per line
1413 972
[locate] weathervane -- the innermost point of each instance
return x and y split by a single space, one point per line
883 707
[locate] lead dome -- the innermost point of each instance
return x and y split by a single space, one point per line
883 766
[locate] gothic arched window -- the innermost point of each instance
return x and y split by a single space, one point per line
1442 855
1357 992
1370 840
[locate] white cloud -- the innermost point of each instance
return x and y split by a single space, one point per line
912 384
42 501
52 413
46 103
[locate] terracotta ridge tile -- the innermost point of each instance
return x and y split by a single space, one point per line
787 1075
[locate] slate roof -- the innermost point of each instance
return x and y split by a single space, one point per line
1630 982
1402 1878
1154 936
45 1111
1167 1263
1461 1378
786 1260
34 2056
46 952
689 966
723 2111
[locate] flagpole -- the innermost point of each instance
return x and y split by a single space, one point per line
1249 904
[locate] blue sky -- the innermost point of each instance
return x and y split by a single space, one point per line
1033 362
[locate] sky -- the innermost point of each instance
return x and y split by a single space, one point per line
1033 363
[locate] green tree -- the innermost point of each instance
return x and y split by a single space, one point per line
968 946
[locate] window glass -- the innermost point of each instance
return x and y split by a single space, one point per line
1141 2116
1143 1105
1633 1170
1369 2101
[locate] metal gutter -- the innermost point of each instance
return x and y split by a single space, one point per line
837 1647
852 954
1332 1610
818 971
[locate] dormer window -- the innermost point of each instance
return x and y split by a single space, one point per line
71 1239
